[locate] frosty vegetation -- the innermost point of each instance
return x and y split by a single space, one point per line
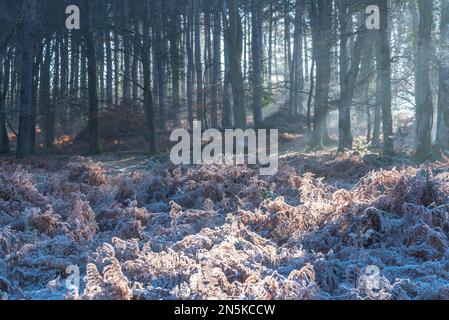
207 232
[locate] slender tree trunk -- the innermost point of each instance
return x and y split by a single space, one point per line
216 74
306 51
190 62
297 72
321 11
270 48
126 55
160 65
234 36
377 115
64 80
208 60
365 81
148 98
227 87
109 69
198 63
94 139
116 68
287 40
175 60
311 91
5 80
424 105
74 78
46 103
383 58
34 96
135 66
83 80
443 92
257 16
24 140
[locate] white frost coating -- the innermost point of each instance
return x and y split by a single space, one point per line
224 232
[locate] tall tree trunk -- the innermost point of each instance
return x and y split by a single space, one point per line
216 74
135 65
198 63
257 16
63 93
227 87
321 10
147 95
109 66
424 105
46 103
306 51
287 40
109 70
345 140
94 139
377 114
54 101
83 80
364 82
208 59
116 67
160 64
383 60
310 97
443 92
5 80
175 34
38 52
126 55
24 139
270 48
234 37
74 77
190 62
297 72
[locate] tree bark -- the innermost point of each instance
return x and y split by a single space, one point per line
24 139
234 37
227 87
126 55
190 62
297 73
175 34
5 79
148 98
321 10
46 103
160 64
383 59
109 69
94 139
443 92
216 73
257 16
198 63
424 105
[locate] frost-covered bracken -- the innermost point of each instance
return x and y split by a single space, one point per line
216 232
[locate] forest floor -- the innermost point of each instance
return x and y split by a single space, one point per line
141 228
144 229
